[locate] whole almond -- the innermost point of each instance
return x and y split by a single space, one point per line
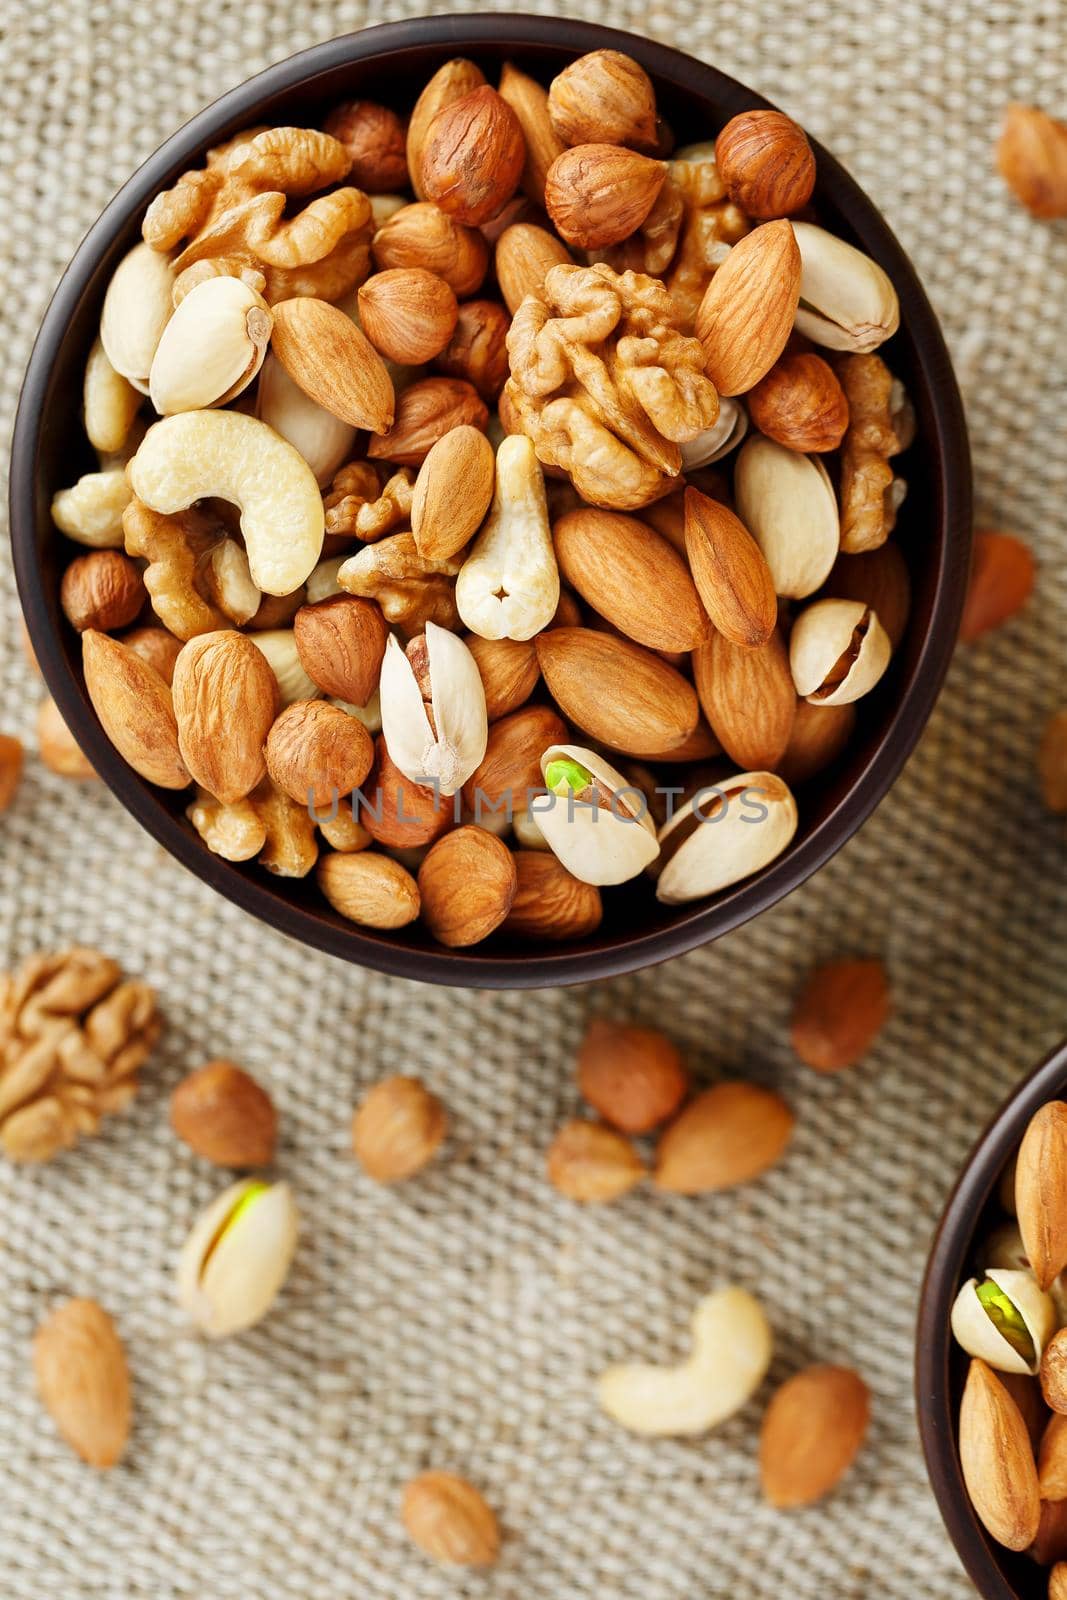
225 1116
616 691
225 700
1052 1455
450 1521
1032 160
766 163
549 903
56 745
997 1460
368 888
592 1164
449 83
10 768
1041 1191
748 308
749 699
529 101
604 97
83 1380
341 642
510 770
334 362
819 735
880 578
407 313
376 140
453 492
156 646
800 404
478 348
1002 580
135 708
633 1076
811 1434
729 1134
398 813
398 1128
632 576
422 236
598 194
508 669
524 254
467 883
316 753
730 571
839 1013
1057 1581
1026 1392
472 157
102 589
1050 1541
1052 763
425 412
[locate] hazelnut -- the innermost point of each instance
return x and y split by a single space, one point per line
157 646
423 236
473 157
341 642
1032 160
103 589
316 753
633 1076
478 349
766 163
225 1116
408 314
604 97
425 412
376 140
598 194
592 1164
800 404
397 1129
467 883
839 1014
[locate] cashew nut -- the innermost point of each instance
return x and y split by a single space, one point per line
508 587
110 402
197 454
90 511
732 1346
137 307
211 348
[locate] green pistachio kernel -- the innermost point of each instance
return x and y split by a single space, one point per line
247 1200
1007 1319
564 776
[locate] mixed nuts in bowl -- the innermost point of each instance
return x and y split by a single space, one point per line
486 517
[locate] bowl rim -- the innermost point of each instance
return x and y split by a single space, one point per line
949 1251
548 966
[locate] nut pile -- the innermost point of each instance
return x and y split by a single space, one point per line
489 499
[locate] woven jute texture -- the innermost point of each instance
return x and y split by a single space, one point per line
460 1321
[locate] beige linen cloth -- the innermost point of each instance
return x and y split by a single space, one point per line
460 1321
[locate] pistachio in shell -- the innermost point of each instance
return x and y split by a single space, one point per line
596 822
726 832
1005 1319
237 1257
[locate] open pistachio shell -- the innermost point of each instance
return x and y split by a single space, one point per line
729 429
595 822
838 650
1005 1319
237 1257
1005 1248
787 503
445 753
726 832
846 301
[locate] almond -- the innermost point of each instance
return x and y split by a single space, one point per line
632 576
1002 579
1026 1392
368 888
1050 1541
225 700
473 157
83 1380
225 1116
375 140
135 708
1052 1453
524 254
598 194
1032 160
103 589
1057 1579
880 578
749 307
396 812
730 571
316 753
592 1164
467 883
812 1431
820 734
800 404
529 101
334 362
398 1129
56 745
453 492
341 642
549 903
510 770
449 83
766 163
10 768
839 1014
749 699
450 1521
1052 763
1041 1191
729 1134
616 691
997 1460
407 313
633 1076
478 348
422 236
606 97
508 669
425 412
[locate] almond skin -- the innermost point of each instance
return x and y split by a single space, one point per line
316 753
408 314
632 576
456 79
422 236
398 1129
399 813
473 157
467 883
812 1432
508 670
633 1077
453 492
341 642
592 1164
368 888
1002 580
749 307
604 96
225 700
450 1521
1041 1191
800 404
749 699
839 1013
223 1114
511 766
766 163
103 589
524 254
425 413
598 194
728 1135
334 362
529 101
730 571
376 140
998 1461
549 903
83 1380
616 691
135 708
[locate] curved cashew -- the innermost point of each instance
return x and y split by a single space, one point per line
732 1345
508 587
90 511
198 454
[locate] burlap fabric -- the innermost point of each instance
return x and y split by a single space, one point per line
459 1321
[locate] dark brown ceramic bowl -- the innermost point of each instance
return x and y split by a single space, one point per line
972 1211
391 63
